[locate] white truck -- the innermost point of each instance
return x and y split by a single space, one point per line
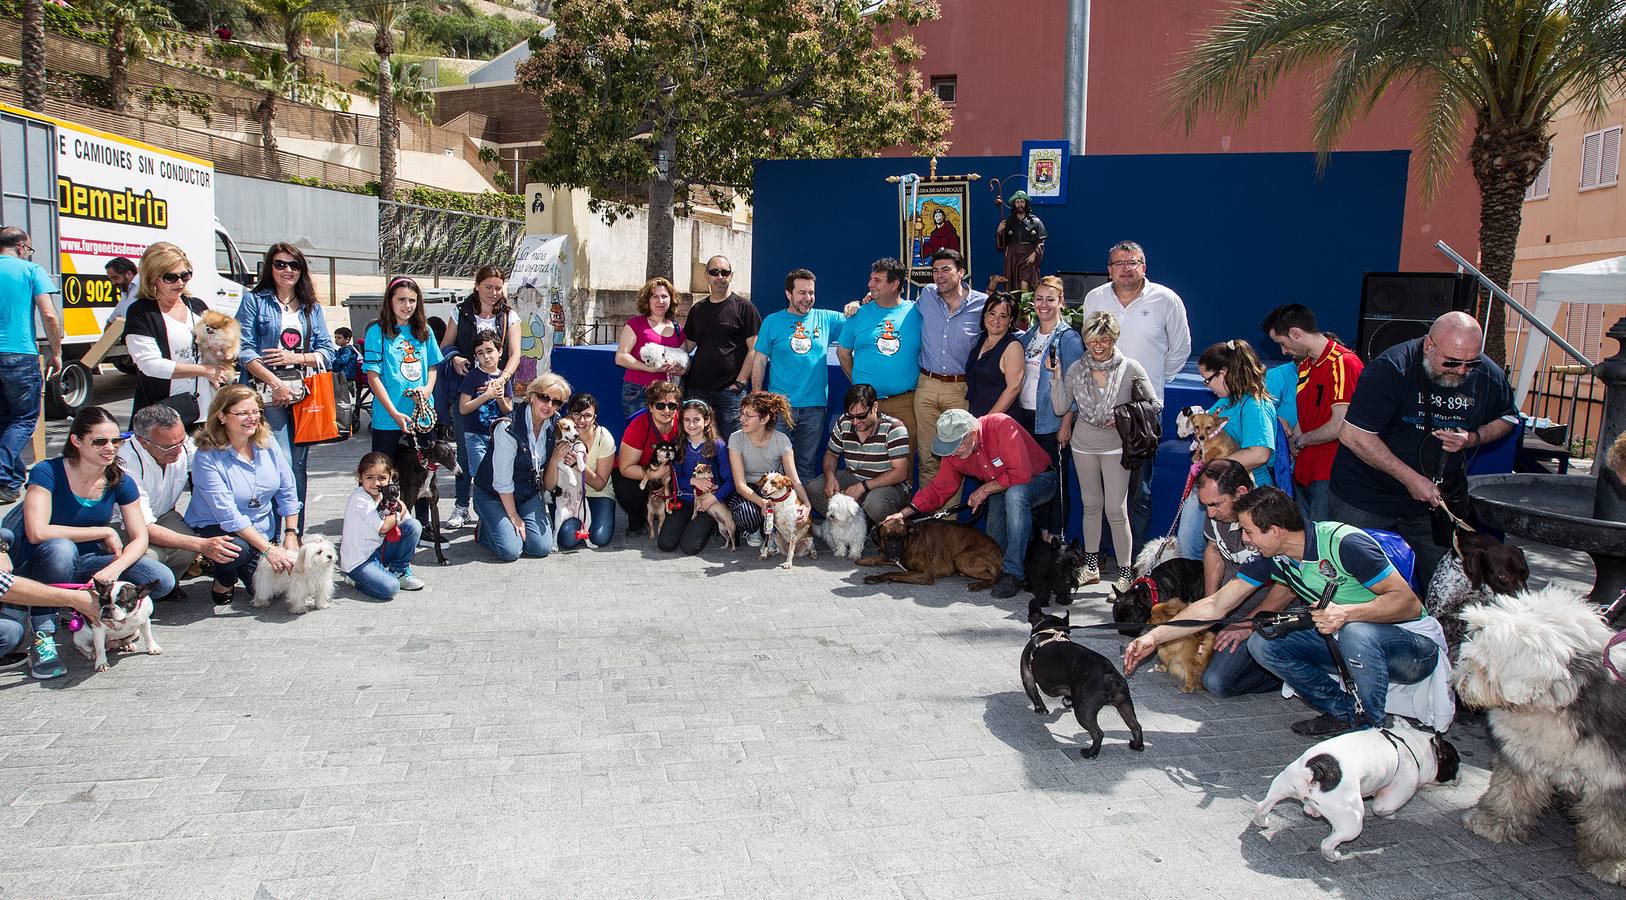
93 196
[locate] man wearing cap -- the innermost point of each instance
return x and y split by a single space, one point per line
1015 473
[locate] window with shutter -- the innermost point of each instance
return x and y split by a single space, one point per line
1583 327
1539 189
1600 158
1609 157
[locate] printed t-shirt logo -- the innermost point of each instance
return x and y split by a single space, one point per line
887 342
411 365
799 341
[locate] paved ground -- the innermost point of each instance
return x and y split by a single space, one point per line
625 724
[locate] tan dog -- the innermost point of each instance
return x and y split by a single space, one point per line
1187 658
1209 430
718 510
792 522
219 339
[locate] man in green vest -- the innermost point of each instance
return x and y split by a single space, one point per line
1379 624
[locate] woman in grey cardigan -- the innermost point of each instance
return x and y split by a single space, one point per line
1085 398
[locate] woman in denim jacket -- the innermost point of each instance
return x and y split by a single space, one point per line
285 338
1032 407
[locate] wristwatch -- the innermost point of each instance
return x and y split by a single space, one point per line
741 385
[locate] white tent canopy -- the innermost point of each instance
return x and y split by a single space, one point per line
1599 281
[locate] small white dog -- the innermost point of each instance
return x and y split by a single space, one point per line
308 586
844 527
664 358
1184 427
1333 778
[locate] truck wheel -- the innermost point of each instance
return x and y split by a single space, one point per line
69 392
125 365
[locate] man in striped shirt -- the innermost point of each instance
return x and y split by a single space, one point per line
875 447
1327 374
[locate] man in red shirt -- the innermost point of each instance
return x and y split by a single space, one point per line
1016 477
1327 374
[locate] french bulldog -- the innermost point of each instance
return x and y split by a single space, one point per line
126 610
1085 680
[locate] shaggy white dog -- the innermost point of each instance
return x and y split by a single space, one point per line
1557 719
845 526
662 357
308 586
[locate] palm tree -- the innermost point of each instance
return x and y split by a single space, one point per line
33 41
276 77
292 20
135 30
1506 66
408 80
385 16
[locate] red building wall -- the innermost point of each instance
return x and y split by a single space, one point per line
1009 61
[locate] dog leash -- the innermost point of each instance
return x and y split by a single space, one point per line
1179 509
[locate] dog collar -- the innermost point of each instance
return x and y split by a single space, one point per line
787 493
1151 587
1051 636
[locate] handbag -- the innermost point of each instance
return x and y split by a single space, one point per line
1140 426
315 416
185 405
268 393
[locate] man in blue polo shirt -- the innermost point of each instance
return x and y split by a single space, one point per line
25 288
880 344
790 358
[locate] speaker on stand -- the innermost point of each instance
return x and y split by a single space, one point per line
1401 306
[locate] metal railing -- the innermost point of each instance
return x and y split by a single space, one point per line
421 240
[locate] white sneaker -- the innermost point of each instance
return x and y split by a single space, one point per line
460 517
754 539
411 582
1088 576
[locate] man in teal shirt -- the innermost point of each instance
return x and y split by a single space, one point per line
880 344
25 288
791 358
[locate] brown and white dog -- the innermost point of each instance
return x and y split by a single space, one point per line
1208 430
663 490
791 527
219 338
718 510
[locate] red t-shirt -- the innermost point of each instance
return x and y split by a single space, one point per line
641 433
1323 382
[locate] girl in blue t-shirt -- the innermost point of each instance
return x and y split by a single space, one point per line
1233 372
400 358
62 532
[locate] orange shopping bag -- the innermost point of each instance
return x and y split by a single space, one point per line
316 416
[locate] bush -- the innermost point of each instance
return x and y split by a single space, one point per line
478 36
69 20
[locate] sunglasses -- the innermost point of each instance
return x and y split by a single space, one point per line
664 405
719 273
1449 363
173 277
165 448
861 413
112 441
546 399
283 265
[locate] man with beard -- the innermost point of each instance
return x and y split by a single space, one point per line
1419 409
1021 238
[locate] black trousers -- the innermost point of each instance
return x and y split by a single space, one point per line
633 499
687 529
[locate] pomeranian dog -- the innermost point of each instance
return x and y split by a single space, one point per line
308 586
219 339
718 510
1187 658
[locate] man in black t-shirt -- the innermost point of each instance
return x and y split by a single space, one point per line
722 331
1418 408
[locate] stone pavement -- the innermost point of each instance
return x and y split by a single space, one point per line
622 723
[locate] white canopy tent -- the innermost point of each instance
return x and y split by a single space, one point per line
1599 281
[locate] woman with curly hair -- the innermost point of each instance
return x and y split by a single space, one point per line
759 447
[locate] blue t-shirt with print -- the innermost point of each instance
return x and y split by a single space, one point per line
1252 423
67 508
885 344
797 348
1282 384
21 280
402 362
486 414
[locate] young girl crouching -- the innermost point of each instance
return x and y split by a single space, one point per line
378 543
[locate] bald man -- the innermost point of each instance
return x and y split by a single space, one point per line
1420 411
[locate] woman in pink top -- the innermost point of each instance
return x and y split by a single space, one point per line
653 325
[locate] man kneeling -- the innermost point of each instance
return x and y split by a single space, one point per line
1382 632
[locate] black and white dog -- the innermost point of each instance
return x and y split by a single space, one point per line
126 611
1334 778
1176 579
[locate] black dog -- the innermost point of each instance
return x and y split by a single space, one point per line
1176 579
1052 568
418 459
1082 678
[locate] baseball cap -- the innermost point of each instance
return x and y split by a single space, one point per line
952 427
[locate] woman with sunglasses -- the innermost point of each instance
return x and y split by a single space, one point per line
657 422
522 466
285 338
243 489
583 411
63 530
1236 376
158 332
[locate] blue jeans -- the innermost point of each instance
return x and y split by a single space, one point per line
280 420
18 624
1312 499
1234 672
20 386
1193 520
61 561
1377 655
1140 502
463 482
808 438
1010 518
601 531
474 448
497 533
380 575
239 569
632 398
725 408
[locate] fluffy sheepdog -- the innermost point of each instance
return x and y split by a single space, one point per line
1557 720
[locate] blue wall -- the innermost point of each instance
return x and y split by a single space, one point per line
1233 234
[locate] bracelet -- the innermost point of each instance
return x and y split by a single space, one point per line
865 486
292 531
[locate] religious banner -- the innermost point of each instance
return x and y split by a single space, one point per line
540 290
935 215
1045 164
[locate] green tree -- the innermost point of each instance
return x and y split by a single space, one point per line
275 77
408 80
386 16
293 21
135 29
1502 68
688 94
33 54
